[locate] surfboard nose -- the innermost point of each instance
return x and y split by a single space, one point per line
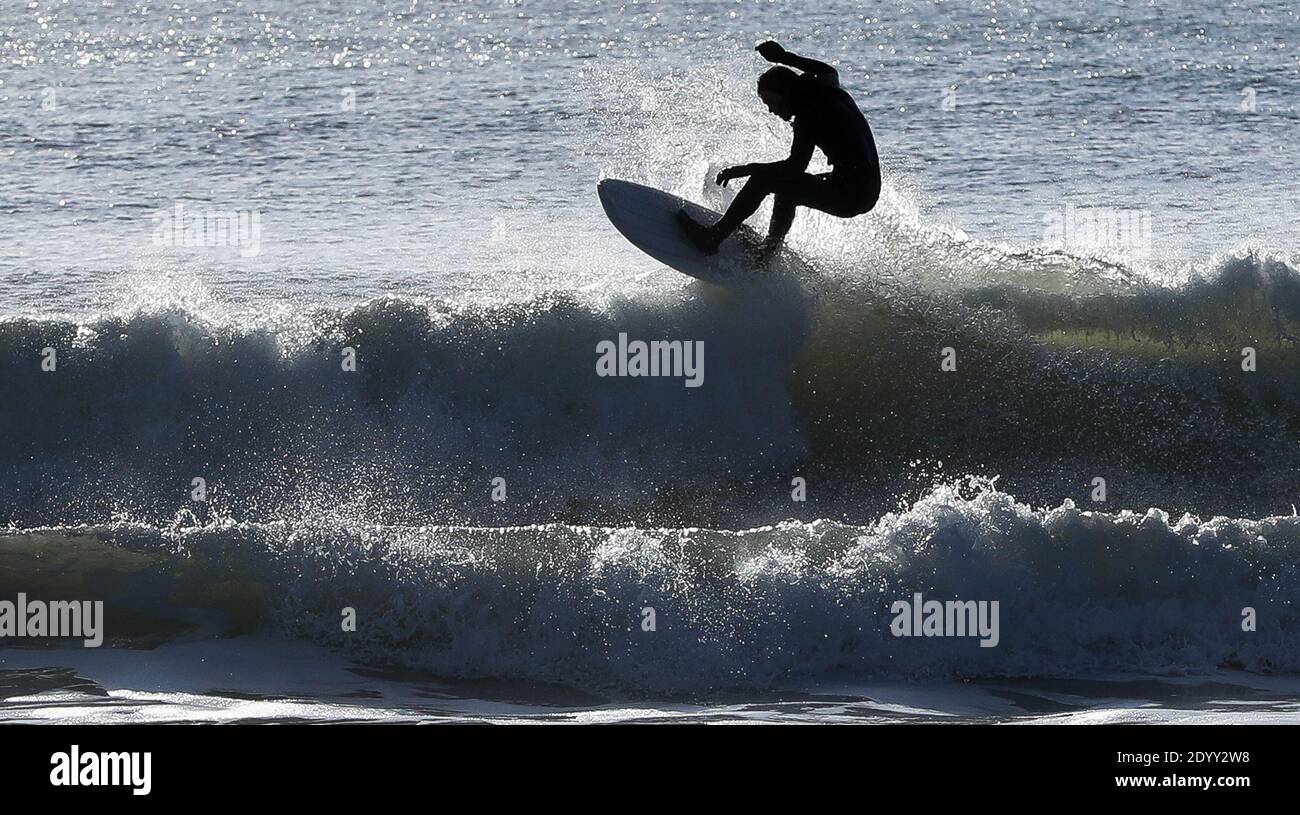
608 190
608 186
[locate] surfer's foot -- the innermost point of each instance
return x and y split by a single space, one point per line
699 234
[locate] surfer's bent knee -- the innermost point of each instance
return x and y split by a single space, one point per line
764 179
775 178
870 200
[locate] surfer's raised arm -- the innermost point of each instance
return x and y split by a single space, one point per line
773 52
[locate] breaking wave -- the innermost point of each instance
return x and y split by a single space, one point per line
838 383
771 606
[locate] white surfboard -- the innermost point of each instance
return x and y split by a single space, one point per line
648 218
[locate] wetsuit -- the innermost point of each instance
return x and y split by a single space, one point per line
826 117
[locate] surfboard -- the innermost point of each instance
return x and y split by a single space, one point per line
648 218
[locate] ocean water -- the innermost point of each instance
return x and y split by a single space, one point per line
418 181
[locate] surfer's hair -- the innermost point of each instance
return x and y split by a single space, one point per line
780 79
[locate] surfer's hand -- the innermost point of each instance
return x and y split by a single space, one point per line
770 51
730 173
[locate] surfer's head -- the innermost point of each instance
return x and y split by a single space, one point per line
776 87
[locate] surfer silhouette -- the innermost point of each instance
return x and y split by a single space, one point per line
824 116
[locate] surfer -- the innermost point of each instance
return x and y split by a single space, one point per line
824 116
